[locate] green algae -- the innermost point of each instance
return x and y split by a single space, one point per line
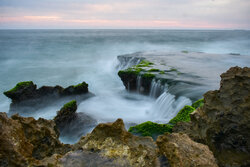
130 71
184 51
19 86
144 63
148 76
153 70
162 72
81 85
183 115
150 129
153 129
72 105
198 103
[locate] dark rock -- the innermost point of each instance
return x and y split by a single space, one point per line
25 141
180 151
223 123
73 124
27 98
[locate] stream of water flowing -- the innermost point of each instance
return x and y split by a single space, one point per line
66 57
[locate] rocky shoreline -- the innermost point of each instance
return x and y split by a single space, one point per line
214 131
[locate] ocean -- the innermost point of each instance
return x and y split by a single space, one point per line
68 57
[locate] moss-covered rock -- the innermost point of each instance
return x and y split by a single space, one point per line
22 91
144 63
150 129
198 103
153 129
27 98
72 124
76 89
183 115
153 70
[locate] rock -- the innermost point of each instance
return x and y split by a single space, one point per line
131 76
82 158
223 123
27 98
113 141
180 151
25 141
73 124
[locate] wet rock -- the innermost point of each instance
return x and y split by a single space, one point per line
82 158
73 124
27 98
26 140
223 123
180 151
113 141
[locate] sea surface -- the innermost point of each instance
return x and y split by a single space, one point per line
66 57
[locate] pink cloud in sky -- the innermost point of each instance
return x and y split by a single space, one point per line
85 23
204 14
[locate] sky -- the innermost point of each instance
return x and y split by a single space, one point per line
148 14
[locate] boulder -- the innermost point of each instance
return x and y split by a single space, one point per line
113 141
73 124
25 141
223 123
180 151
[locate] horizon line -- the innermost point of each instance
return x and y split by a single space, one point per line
218 29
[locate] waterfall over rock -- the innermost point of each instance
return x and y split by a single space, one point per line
167 106
156 88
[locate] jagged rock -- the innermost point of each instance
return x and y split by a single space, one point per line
70 123
223 123
180 151
113 141
25 141
26 97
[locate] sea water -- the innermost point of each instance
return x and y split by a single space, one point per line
68 57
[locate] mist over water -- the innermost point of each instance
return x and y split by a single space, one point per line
67 57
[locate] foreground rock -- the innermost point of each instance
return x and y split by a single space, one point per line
25 141
113 141
73 124
223 123
180 151
26 97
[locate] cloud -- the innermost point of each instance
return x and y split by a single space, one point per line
137 13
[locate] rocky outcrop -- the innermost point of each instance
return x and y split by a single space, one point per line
30 142
27 97
25 141
180 151
73 124
223 123
113 141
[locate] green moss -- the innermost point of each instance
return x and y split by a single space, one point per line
183 115
18 86
173 69
148 76
184 51
130 71
144 63
150 129
198 103
70 105
83 84
153 70
162 72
